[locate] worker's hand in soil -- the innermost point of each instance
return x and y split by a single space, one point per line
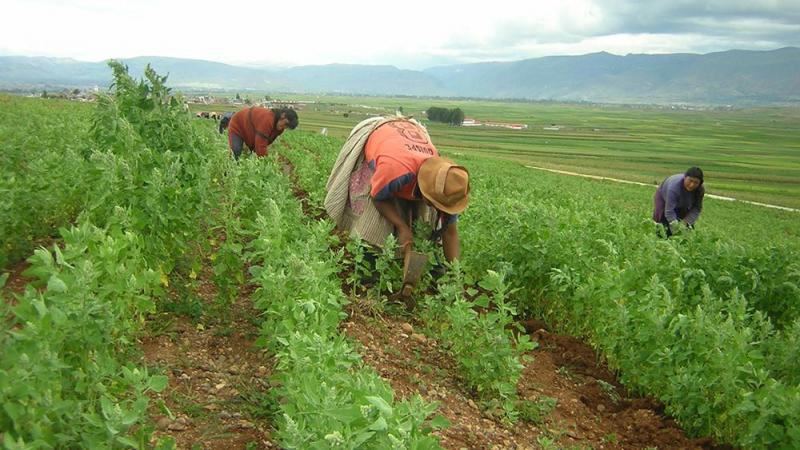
405 238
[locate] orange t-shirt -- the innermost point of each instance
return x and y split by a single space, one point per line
396 150
259 133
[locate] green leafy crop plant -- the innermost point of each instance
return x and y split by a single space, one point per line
62 380
477 333
45 169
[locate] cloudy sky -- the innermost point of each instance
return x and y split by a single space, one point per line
410 34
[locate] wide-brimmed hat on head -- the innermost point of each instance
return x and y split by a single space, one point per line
444 184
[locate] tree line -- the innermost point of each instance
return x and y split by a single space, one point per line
453 116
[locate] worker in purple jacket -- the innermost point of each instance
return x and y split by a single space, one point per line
679 201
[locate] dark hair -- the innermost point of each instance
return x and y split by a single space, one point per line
287 113
695 172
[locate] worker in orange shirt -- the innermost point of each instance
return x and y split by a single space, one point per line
258 127
389 174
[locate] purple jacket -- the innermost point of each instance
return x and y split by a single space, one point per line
672 201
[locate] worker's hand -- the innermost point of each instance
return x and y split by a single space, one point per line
676 227
405 237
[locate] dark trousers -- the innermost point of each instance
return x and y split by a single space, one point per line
235 142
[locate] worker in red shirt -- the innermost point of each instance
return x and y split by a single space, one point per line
258 127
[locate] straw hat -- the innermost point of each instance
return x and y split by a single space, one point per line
444 184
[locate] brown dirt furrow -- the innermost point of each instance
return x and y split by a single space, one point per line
218 378
16 282
592 409
414 364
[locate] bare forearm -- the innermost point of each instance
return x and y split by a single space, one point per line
451 244
389 212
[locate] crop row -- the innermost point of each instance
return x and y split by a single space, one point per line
66 376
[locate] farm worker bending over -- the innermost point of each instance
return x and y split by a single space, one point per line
679 200
388 174
258 128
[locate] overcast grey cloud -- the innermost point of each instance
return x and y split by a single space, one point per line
413 34
770 19
664 26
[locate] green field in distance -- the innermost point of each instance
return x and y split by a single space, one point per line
749 154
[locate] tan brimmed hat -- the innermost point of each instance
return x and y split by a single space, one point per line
444 184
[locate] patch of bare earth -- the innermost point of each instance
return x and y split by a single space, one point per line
217 379
16 282
592 402
592 410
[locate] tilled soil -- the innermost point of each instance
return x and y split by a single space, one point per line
218 379
16 282
591 411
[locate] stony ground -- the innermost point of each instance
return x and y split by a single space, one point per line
591 409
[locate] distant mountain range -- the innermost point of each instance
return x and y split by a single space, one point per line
734 77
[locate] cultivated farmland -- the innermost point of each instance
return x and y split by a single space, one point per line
752 153
183 300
